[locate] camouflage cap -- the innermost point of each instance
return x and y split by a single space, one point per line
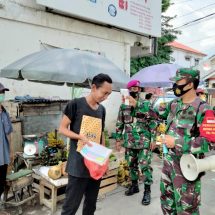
186 73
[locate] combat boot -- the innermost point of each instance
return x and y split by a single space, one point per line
132 189
147 195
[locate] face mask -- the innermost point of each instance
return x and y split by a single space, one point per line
134 94
178 89
2 96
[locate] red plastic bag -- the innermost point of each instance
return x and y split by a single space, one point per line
96 170
207 128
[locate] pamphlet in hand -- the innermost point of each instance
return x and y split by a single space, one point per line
96 153
125 93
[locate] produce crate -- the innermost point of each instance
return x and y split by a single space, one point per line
109 181
113 165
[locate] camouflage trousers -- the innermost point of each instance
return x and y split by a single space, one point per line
178 195
139 161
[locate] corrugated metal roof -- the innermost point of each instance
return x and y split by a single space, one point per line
42 101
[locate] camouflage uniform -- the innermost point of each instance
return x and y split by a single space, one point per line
178 195
139 130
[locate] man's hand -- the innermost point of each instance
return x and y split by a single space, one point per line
153 146
84 140
169 141
132 101
118 145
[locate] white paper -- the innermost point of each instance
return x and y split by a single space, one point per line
43 172
96 153
125 93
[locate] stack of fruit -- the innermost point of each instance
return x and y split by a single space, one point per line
55 172
55 151
54 140
123 174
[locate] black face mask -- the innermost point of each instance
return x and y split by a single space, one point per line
178 89
134 94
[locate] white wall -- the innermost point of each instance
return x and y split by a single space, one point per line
24 25
179 58
27 40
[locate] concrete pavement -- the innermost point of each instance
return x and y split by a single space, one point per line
116 203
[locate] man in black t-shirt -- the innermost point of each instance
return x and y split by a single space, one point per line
80 183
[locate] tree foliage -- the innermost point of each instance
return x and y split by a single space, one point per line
168 34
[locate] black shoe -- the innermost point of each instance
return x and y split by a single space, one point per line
132 190
147 195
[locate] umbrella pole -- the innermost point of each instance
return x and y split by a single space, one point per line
89 82
68 139
73 91
164 94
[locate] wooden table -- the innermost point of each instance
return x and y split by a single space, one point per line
29 161
48 188
54 198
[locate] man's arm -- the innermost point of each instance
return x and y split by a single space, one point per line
163 110
144 108
64 129
11 148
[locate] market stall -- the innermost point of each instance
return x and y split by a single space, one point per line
39 119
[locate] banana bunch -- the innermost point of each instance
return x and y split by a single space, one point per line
161 128
123 173
54 141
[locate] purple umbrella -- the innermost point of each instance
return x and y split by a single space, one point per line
156 75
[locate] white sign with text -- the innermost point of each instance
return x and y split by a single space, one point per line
138 16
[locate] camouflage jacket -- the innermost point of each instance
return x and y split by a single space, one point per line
180 123
137 125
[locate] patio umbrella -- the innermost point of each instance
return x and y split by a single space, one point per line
60 66
156 75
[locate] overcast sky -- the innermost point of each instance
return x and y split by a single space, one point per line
199 35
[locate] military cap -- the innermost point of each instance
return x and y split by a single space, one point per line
133 83
186 73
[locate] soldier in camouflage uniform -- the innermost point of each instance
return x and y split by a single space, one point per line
178 195
139 130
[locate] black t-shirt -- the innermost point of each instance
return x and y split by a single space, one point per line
74 110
